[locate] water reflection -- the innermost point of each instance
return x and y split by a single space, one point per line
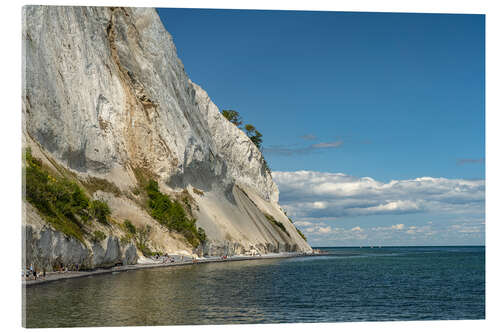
365 285
177 295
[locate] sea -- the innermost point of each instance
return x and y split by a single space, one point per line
347 284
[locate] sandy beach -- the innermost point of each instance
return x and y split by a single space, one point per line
152 263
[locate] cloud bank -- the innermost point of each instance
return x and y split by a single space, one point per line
320 195
398 234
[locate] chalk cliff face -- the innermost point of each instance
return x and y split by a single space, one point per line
48 248
105 95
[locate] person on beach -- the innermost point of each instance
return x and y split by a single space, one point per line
34 273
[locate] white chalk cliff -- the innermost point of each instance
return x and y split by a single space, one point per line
105 95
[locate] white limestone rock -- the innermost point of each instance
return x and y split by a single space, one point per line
104 94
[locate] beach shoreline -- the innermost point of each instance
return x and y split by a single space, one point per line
57 276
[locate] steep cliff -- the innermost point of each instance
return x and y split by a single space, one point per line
105 97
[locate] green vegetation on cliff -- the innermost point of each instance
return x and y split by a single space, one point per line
252 133
130 227
298 230
301 234
142 238
100 210
233 116
98 236
171 214
139 235
61 201
277 223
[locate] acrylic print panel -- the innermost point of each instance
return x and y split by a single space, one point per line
194 166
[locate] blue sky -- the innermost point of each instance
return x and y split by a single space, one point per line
392 97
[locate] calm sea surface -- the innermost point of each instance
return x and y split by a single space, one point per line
350 284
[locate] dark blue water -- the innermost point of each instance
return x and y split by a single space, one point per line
350 284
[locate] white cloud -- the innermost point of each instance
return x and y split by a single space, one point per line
399 226
424 229
321 231
396 234
327 144
315 228
324 230
303 223
467 228
319 204
391 206
309 194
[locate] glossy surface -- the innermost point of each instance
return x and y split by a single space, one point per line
350 284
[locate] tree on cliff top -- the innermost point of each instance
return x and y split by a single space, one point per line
233 116
254 135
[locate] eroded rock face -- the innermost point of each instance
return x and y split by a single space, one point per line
105 94
108 255
130 256
245 162
47 248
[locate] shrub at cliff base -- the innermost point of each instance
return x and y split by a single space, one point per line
142 238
